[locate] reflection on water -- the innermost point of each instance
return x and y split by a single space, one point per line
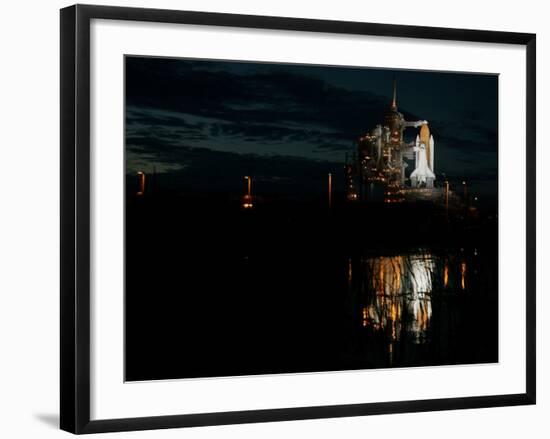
294 291
393 295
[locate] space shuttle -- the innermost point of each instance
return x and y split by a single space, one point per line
423 174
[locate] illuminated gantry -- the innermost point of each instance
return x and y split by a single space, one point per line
379 162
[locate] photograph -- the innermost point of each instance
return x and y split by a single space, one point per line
298 218
266 220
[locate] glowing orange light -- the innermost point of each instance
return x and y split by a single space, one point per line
141 184
463 275
393 312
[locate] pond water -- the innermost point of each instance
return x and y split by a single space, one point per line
213 295
419 308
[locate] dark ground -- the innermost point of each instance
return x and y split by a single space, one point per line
212 290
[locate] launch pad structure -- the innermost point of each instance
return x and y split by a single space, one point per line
378 167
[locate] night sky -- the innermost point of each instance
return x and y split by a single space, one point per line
212 122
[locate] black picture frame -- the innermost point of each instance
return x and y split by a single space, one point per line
75 217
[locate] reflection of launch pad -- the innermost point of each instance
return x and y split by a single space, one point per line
377 171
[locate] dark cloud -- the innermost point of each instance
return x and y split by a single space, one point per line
307 114
334 146
249 99
466 136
